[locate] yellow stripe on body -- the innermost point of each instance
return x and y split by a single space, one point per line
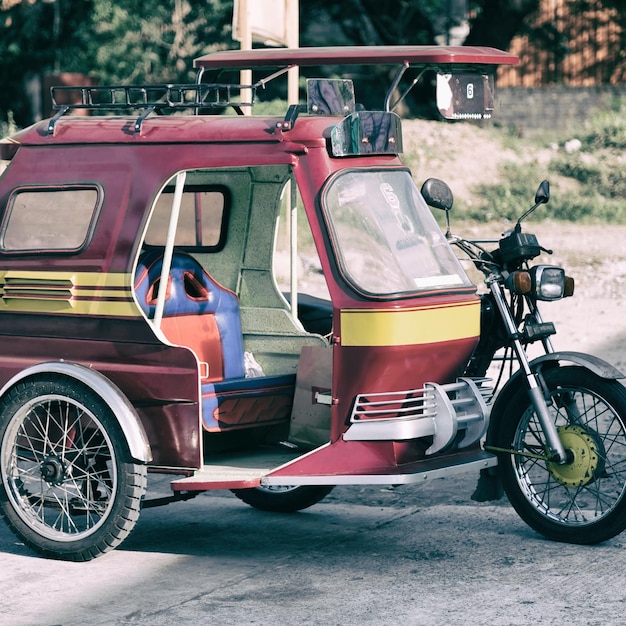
78 293
401 327
80 279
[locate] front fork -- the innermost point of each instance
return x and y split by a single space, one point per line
556 450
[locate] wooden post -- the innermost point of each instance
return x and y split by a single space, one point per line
292 22
245 76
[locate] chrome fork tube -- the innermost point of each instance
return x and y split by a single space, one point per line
565 398
555 446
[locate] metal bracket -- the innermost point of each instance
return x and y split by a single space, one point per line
291 116
142 117
59 114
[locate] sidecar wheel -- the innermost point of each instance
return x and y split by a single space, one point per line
283 499
67 487
584 500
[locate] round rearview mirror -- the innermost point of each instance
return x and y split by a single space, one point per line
437 194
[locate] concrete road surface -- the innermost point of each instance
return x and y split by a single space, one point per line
424 555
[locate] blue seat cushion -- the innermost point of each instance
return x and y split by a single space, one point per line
247 402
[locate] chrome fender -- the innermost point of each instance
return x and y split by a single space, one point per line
121 408
594 364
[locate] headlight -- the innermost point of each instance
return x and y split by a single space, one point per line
548 282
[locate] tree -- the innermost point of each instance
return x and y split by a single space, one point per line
370 22
367 22
30 40
496 23
155 41
116 41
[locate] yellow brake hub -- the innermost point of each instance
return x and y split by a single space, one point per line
581 470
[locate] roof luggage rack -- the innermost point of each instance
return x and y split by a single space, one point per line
150 98
159 98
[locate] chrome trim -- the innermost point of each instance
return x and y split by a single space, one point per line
384 479
438 411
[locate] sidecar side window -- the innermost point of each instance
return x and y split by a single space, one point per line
385 239
44 220
202 221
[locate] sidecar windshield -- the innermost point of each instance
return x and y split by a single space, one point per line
384 236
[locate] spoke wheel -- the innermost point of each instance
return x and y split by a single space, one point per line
584 500
67 490
283 499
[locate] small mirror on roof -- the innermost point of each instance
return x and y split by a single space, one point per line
330 96
465 96
367 132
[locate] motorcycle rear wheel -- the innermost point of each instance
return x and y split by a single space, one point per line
287 499
584 500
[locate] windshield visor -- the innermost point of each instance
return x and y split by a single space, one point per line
384 236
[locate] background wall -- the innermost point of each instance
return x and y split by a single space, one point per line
553 107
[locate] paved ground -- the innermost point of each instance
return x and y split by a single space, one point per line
410 555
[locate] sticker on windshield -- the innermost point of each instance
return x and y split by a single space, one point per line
438 281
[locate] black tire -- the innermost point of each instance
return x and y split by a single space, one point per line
283 499
67 488
583 501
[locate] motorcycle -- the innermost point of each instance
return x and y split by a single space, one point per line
558 424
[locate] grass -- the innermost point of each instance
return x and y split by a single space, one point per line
511 194
589 182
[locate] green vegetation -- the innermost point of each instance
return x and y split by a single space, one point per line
588 182
508 197
607 129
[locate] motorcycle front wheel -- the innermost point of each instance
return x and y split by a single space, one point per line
584 500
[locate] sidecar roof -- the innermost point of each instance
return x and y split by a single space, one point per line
356 55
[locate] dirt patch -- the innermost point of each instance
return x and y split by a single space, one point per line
460 154
466 155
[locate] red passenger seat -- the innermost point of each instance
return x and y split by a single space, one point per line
199 313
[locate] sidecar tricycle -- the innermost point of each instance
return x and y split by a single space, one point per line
143 328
